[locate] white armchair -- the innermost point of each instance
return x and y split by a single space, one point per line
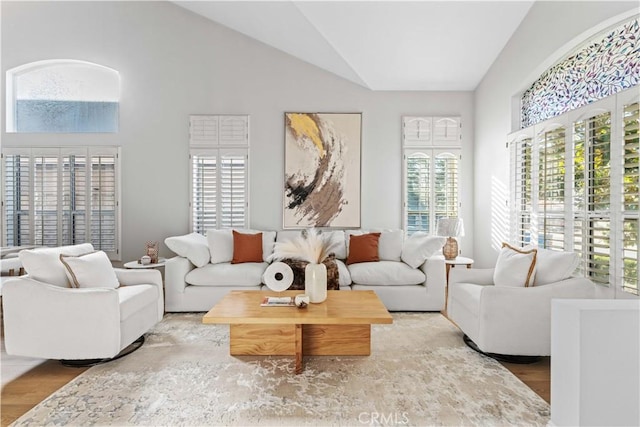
504 320
46 320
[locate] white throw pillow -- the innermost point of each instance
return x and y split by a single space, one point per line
43 264
92 270
515 267
389 244
191 246
221 244
419 247
554 266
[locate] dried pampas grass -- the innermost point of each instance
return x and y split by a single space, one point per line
311 246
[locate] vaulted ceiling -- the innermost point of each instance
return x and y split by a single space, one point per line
381 45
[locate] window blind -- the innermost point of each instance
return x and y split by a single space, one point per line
592 195
522 186
418 192
431 187
74 198
631 195
219 172
551 180
103 202
586 187
49 198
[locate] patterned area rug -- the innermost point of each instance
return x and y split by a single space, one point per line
419 373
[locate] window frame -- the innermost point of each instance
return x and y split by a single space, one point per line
217 136
12 92
614 105
432 144
89 152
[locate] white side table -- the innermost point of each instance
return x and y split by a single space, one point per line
461 260
135 264
449 264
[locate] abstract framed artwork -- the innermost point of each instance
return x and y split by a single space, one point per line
322 170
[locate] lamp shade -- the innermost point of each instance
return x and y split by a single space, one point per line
450 227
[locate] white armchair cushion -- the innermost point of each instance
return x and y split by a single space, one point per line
192 246
515 267
420 246
43 264
554 266
93 270
221 244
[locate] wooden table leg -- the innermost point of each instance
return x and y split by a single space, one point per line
298 338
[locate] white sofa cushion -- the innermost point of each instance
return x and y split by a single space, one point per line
192 246
554 266
420 246
92 270
227 274
221 244
43 264
385 273
389 245
515 267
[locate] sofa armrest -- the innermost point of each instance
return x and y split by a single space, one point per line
175 269
515 311
43 320
436 279
143 277
477 276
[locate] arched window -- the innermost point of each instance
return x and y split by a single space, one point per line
62 96
604 67
574 163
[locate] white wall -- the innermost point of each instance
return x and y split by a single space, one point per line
543 38
174 63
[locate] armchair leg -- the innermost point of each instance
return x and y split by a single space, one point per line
85 363
508 358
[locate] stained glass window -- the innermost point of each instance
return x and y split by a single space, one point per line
604 67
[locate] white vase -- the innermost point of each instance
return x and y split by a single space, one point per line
315 282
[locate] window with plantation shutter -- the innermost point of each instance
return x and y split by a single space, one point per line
104 202
445 182
431 174
416 131
631 195
61 196
418 191
592 195
585 190
219 172
17 191
551 179
522 201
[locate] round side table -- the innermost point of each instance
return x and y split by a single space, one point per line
135 264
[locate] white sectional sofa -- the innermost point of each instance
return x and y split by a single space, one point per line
410 275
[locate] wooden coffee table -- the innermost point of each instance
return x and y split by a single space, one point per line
340 326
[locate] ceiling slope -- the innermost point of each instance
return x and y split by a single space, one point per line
381 45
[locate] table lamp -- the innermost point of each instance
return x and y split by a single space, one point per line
450 228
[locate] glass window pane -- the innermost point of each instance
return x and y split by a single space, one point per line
63 96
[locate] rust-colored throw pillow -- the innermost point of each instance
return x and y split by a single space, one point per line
363 248
246 247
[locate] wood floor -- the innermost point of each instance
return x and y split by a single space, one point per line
26 382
